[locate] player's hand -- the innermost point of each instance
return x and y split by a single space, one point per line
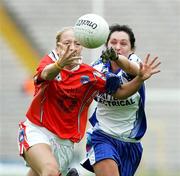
109 54
68 57
149 67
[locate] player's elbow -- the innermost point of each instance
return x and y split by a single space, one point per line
46 75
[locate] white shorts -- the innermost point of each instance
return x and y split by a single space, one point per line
31 134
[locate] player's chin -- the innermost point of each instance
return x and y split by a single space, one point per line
78 59
76 63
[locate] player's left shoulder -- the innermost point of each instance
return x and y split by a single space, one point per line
86 67
97 62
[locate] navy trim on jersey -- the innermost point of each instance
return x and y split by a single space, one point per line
142 94
53 54
113 82
93 120
140 125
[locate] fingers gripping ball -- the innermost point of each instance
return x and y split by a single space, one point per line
109 54
113 82
91 30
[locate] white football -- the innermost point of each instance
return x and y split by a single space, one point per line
91 30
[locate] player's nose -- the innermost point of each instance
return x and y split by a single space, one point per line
117 47
72 47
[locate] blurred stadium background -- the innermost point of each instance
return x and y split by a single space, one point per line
27 32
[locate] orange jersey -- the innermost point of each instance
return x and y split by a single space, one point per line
61 105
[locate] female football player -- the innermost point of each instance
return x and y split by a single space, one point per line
113 144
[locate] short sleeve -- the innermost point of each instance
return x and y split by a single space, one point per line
43 63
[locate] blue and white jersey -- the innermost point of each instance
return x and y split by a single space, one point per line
122 119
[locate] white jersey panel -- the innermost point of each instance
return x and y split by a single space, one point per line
117 117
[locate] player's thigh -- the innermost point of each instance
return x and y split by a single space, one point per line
40 157
106 167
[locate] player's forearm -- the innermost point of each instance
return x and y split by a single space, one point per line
51 71
129 88
128 66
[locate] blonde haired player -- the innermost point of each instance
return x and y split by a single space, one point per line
57 116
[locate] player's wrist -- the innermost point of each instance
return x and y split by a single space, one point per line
58 66
118 58
139 78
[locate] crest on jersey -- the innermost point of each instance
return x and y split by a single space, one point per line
84 79
100 75
58 77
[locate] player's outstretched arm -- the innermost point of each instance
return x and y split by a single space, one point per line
128 66
122 61
148 68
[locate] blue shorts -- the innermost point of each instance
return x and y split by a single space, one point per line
100 146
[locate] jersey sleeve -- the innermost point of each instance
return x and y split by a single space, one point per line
113 82
43 63
134 58
107 83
